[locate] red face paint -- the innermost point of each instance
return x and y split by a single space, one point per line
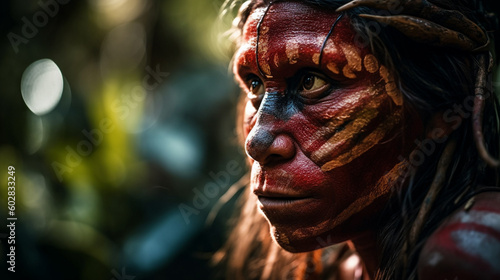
324 138
466 245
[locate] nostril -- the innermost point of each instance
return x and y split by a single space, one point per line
274 158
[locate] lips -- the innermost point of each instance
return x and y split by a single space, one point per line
278 193
282 202
280 199
286 195
286 208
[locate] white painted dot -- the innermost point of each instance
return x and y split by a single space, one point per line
42 86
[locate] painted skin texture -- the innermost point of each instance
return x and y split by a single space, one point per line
467 245
323 138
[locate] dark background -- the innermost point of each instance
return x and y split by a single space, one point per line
111 210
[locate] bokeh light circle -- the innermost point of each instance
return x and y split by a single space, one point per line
42 86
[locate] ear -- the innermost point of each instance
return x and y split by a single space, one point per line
442 124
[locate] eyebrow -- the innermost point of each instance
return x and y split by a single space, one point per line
248 59
241 68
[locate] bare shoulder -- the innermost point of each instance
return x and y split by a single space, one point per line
466 245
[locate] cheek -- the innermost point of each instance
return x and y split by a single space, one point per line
354 119
349 125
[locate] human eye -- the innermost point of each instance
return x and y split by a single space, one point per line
313 85
256 89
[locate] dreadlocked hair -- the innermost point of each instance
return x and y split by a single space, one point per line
433 81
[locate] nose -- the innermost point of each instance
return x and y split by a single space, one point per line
264 147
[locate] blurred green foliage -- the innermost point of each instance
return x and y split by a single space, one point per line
149 82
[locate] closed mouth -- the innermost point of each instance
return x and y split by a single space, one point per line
277 201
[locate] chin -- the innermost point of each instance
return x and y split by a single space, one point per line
309 236
303 240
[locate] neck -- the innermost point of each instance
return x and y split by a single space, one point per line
365 246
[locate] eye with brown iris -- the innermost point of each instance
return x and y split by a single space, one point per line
256 90
313 86
256 87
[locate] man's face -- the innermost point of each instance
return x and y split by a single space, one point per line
324 136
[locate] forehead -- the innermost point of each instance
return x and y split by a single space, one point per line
292 34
